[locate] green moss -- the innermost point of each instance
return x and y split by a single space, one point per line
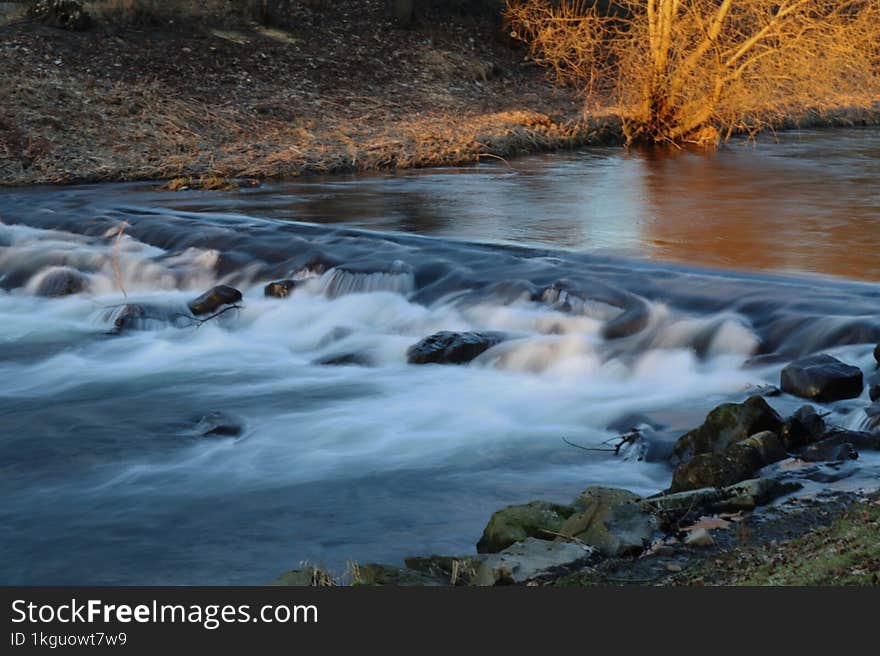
845 553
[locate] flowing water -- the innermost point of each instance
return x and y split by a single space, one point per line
612 274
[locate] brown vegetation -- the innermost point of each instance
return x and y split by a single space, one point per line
694 70
341 89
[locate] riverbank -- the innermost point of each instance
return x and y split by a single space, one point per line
342 90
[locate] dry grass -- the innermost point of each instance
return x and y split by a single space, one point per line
199 108
697 70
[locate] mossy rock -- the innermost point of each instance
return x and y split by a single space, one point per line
515 523
306 577
610 520
709 470
725 425
378 574
757 451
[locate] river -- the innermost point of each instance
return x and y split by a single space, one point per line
633 287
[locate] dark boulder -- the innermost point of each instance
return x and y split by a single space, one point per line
861 440
829 450
726 424
280 288
805 426
61 281
214 299
877 354
708 470
448 347
822 378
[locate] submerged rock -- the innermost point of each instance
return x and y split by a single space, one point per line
448 347
218 424
515 523
61 281
345 360
822 378
145 316
611 521
528 560
280 288
805 426
214 299
725 425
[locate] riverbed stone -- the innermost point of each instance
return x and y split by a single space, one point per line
218 424
726 424
531 559
822 378
805 426
279 288
830 450
515 523
62 281
145 316
610 520
214 299
446 347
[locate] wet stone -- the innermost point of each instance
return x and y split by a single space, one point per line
822 378
448 347
214 299
280 288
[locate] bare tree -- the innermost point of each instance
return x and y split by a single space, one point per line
698 70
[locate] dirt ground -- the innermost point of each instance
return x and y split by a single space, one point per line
340 90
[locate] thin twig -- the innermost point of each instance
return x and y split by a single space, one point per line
116 270
587 448
199 322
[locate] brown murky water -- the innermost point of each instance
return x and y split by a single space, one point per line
808 202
